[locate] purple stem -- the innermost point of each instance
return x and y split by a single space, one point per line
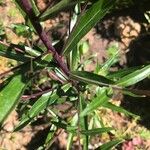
42 34
35 95
53 76
15 48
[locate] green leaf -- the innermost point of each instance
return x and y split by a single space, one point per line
44 101
9 52
134 77
109 145
66 87
83 122
73 59
74 122
22 30
50 136
86 21
10 95
111 61
98 120
122 72
60 74
126 92
96 131
52 11
62 124
18 4
35 8
118 109
91 78
96 102
83 47
32 52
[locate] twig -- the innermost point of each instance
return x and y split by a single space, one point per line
35 95
12 45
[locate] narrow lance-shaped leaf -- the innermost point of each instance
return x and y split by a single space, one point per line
136 94
86 21
52 11
64 125
38 106
118 109
32 52
50 135
96 131
122 72
8 51
109 145
35 8
73 58
10 95
134 77
74 122
96 102
98 120
83 122
52 131
111 61
91 78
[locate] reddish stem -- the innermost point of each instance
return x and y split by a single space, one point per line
43 36
9 45
28 97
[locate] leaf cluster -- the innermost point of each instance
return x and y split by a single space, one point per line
64 80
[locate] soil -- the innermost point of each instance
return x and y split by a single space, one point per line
130 33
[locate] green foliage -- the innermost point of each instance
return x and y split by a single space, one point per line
44 101
100 99
87 92
86 21
22 30
52 11
134 77
113 54
10 95
109 145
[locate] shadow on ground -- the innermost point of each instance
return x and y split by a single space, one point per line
139 54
